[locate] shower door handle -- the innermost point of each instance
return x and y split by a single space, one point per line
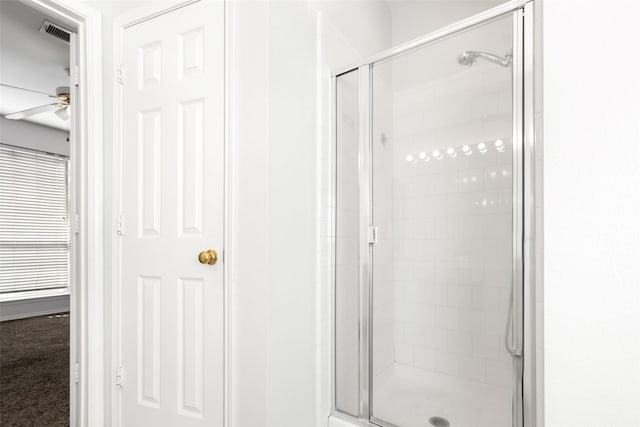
513 313
513 350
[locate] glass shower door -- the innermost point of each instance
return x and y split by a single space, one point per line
443 264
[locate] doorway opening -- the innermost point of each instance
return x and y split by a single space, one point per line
35 220
51 220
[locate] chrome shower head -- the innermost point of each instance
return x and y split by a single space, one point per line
466 58
469 57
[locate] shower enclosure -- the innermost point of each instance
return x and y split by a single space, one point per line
433 301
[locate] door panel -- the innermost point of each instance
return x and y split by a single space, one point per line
171 305
443 197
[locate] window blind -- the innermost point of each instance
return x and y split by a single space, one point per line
34 221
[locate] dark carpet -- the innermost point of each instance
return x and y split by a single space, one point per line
34 372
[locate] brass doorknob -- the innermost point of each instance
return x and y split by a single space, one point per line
208 257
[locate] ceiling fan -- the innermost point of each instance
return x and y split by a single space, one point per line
60 107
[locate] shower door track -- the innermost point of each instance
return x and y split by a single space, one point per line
524 404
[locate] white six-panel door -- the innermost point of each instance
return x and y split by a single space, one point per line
172 161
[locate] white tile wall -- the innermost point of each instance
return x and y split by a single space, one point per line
452 221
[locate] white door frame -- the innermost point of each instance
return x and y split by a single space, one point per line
124 21
87 284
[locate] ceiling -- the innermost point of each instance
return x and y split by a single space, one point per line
31 60
395 5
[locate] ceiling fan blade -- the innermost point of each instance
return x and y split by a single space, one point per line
28 90
63 112
31 112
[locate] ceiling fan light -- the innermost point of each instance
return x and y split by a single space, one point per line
62 113
62 90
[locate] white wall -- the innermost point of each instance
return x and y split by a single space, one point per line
592 205
282 55
421 17
249 256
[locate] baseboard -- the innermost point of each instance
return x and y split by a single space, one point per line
20 309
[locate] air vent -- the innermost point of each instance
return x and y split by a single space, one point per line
55 31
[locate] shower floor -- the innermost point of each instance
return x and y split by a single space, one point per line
408 397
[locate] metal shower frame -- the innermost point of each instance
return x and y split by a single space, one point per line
523 280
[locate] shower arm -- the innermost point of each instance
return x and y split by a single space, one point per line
469 57
505 62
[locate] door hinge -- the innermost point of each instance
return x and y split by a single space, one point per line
77 228
120 74
76 373
119 377
120 225
373 234
76 75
